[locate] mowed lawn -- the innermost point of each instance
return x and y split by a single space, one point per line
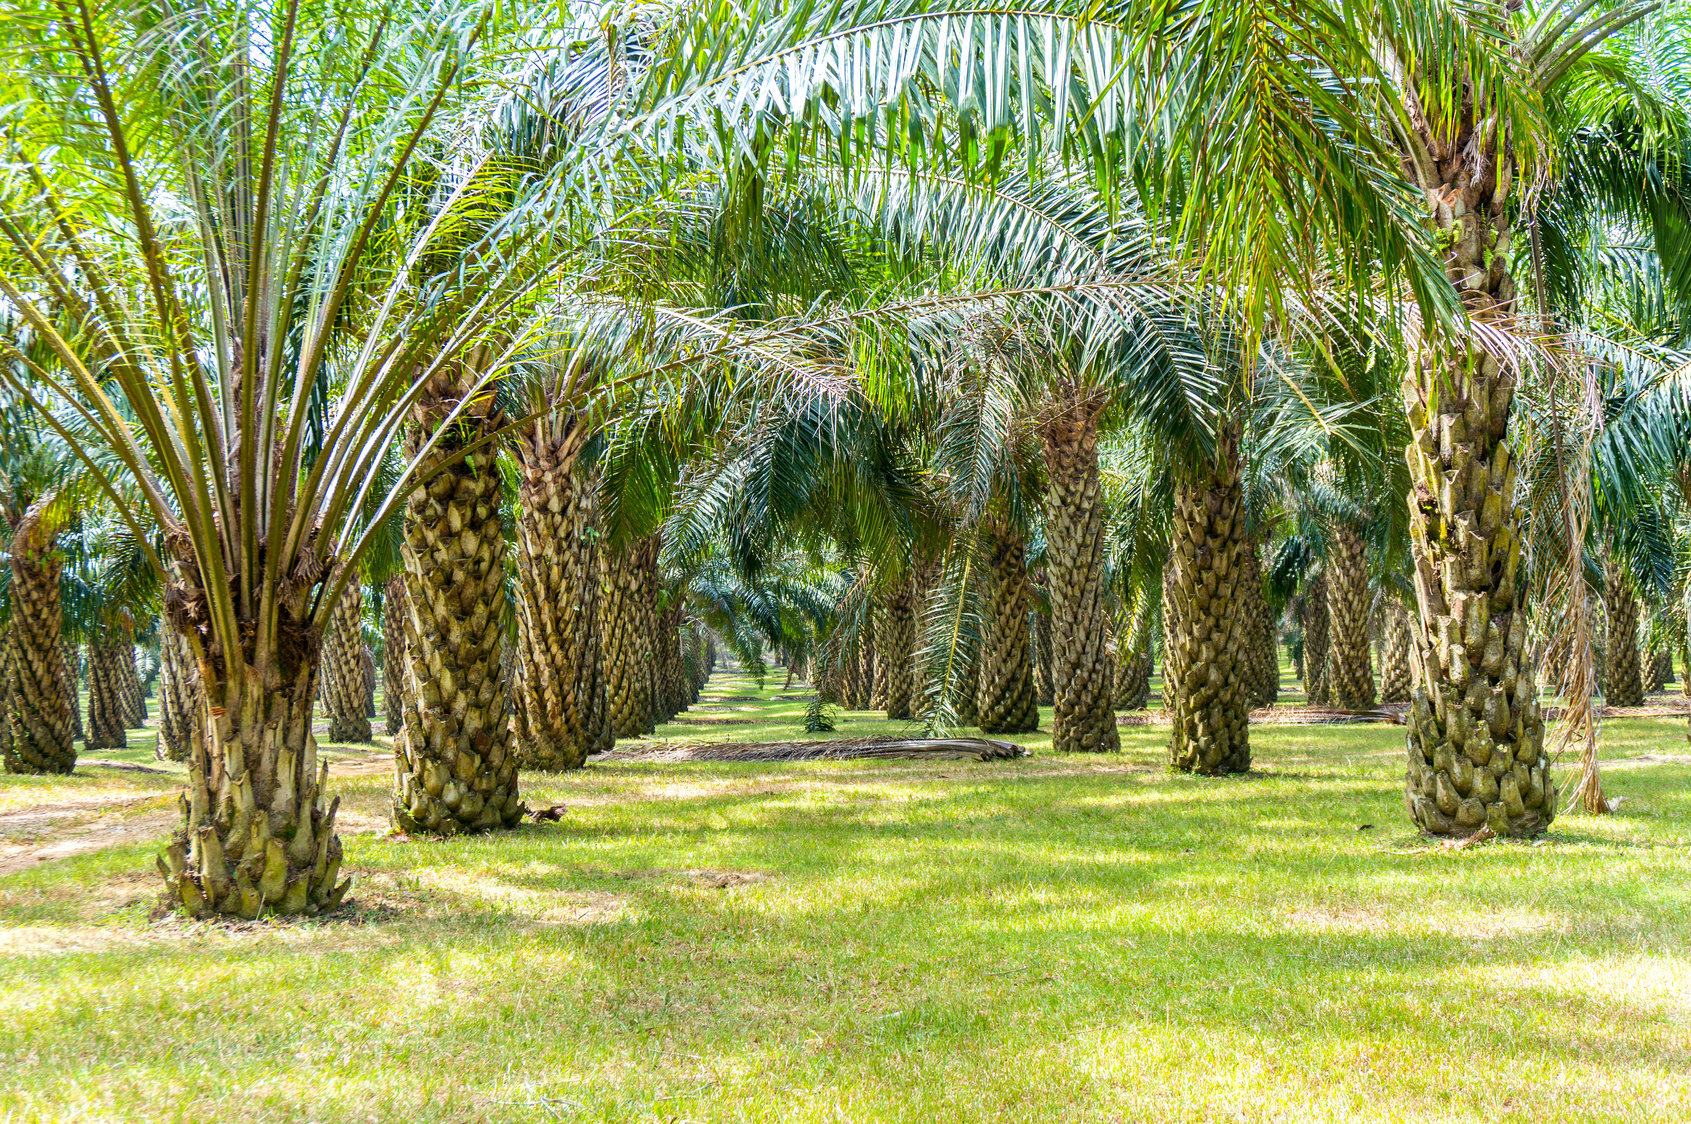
1056 938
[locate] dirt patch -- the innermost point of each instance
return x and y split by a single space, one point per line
43 834
376 764
725 879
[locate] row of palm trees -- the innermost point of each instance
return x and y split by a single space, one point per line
779 314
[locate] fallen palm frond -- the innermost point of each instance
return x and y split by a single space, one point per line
840 749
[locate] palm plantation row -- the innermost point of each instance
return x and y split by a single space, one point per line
927 345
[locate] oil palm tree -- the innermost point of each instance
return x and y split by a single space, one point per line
193 358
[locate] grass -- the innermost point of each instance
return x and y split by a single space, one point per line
1057 938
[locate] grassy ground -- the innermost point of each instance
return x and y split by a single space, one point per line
1057 938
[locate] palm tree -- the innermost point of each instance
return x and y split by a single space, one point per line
1396 681
1008 702
40 709
343 687
216 338
456 761
1349 601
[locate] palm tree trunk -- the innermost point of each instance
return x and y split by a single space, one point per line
1315 637
393 653
1084 718
1008 701
1658 669
667 661
1045 682
625 619
343 670
1133 662
1396 680
258 830
6 696
73 683
1262 663
179 699
866 661
878 670
106 725
1204 672
41 702
455 764
557 601
1624 682
1476 736
898 651
133 698
1348 651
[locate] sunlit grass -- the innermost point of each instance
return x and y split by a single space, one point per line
1056 938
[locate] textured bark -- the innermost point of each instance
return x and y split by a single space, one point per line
6 694
455 764
1084 717
968 686
1623 681
257 833
41 701
179 698
1009 703
1396 678
557 602
367 661
73 684
671 680
105 695
878 670
130 695
1315 622
1204 671
1475 738
898 650
1349 655
1262 654
1658 670
393 653
626 619
866 662
344 698
1133 664
1045 682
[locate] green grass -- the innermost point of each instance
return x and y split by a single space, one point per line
1057 938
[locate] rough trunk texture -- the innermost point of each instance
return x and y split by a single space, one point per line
1133 663
1624 681
671 679
1315 679
1084 717
393 653
1475 737
344 698
1396 677
106 726
1204 670
557 603
1045 682
40 714
179 698
1349 654
130 694
6 696
626 618
878 670
898 649
1262 660
73 682
455 764
1008 702
257 834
